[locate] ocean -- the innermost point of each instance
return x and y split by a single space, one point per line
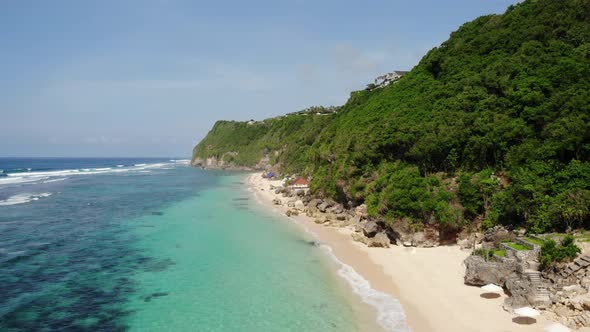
156 245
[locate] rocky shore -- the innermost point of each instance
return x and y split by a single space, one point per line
429 280
562 295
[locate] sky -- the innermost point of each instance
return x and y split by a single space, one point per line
142 78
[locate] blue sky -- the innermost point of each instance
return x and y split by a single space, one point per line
149 78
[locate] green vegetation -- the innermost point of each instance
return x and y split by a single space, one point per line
552 253
534 241
492 126
284 139
499 252
516 246
488 254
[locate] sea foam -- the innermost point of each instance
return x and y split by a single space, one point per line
23 198
47 176
390 313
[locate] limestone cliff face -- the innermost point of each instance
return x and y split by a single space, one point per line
225 162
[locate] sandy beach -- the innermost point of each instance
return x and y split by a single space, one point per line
427 281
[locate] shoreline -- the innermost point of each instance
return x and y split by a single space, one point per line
428 282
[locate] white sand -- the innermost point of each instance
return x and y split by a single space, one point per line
427 281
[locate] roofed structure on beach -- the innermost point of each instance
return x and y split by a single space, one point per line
300 183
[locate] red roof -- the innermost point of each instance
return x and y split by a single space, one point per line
301 181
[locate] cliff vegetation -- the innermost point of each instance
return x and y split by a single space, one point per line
491 127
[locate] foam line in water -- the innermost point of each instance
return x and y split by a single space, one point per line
23 198
45 176
55 180
390 313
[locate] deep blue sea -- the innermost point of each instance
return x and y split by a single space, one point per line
156 245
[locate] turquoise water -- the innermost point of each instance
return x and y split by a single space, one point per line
159 246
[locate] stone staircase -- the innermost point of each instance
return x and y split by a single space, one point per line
540 296
581 320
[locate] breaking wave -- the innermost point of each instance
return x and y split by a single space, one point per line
23 198
30 177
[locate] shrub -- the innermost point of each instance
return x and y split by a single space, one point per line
482 252
552 253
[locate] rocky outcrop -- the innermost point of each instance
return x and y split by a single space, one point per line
370 228
496 235
569 292
380 240
361 211
222 162
429 237
479 272
520 289
359 237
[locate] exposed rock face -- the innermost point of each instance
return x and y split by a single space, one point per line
336 209
478 272
370 228
323 206
361 211
467 239
215 162
276 201
520 290
569 287
263 163
427 238
379 240
312 207
497 234
359 237
306 199
299 205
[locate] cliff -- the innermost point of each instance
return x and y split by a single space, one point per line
280 142
490 127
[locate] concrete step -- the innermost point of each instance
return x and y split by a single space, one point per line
582 320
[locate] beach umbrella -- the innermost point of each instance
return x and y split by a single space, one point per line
491 288
491 291
556 327
527 312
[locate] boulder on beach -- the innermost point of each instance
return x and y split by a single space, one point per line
370 228
322 207
336 209
429 237
380 240
299 205
359 238
479 272
361 211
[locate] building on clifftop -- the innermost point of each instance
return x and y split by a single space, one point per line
385 80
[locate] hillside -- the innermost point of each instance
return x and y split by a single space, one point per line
492 126
282 141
